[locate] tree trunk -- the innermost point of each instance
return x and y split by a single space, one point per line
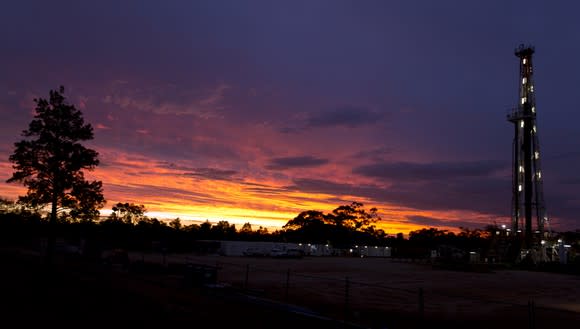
51 232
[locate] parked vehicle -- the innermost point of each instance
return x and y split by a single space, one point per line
254 252
288 253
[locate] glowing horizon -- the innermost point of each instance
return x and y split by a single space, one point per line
241 206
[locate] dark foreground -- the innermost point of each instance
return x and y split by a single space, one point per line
81 294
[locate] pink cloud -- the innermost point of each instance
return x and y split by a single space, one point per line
102 126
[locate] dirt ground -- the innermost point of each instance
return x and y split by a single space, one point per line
311 292
373 290
78 294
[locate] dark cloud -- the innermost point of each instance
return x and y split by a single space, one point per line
376 154
346 116
254 184
265 190
173 166
203 173
485 195
106 162
212 173
322 186
295 162
406 171
155 193
438 222
153 190
427 221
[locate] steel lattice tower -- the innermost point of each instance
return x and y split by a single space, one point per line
527 190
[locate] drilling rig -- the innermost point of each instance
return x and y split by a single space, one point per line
529 221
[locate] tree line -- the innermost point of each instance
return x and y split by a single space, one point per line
128 228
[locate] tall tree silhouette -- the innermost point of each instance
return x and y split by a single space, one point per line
343 226
50 161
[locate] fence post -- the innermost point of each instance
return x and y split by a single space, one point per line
287 284
346 298
531 314
421 305
247 275
217 266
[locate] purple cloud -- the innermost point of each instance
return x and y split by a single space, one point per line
295 162
406 171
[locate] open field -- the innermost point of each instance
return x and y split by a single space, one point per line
77 294
311 292
373 290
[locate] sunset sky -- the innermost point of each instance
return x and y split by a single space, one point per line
253 111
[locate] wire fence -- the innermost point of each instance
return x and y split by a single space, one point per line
376 303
